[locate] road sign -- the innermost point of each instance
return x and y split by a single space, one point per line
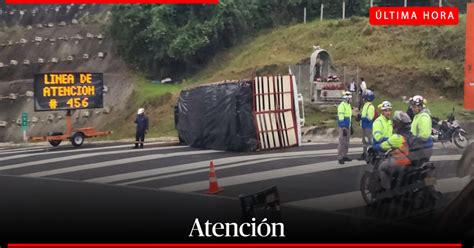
24 125
68 91
24 120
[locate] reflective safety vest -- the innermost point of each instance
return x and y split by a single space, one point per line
344 114
382 129
421 128
421 125
367 116
401 151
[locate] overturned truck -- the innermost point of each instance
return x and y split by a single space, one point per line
241 115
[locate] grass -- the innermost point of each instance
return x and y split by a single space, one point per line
158 100
440 108
395 61
352 42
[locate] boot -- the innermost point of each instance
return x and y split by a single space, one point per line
347 159
341 161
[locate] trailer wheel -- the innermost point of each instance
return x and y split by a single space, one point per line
77 139
55 142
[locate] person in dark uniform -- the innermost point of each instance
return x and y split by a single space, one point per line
410 111
142 127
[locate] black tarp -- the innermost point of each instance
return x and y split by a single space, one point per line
217 116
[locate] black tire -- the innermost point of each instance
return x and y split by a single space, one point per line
426 198
367 195
77 139
460 139
55 142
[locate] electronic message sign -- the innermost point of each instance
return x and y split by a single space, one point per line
68 91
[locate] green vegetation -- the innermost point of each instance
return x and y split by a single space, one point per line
158 100
402 59
326 116
168 40
395 61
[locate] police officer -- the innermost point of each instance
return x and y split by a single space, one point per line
367 120
399 157
344 117
421 129
142 127
382 127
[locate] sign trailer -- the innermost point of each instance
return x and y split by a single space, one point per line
68 91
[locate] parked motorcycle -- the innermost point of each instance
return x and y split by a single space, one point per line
449 131
413 182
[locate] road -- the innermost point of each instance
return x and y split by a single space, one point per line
307 176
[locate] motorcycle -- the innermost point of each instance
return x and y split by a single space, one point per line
449 131
414 182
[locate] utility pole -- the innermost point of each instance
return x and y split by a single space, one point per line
440 3
343 9
371 3
304 15
405 4
322 11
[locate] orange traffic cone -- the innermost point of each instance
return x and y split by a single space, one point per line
213 186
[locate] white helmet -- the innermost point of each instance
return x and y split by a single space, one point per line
418 101
385 105
140 111
346 95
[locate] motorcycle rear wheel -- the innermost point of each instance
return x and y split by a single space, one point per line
460 140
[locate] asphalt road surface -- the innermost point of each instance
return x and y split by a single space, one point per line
308 176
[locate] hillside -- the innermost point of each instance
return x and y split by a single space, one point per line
423 57
395 61
56 38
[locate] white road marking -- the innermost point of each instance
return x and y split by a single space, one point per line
72 150
19 149
116 162
25 151
219 168
280 173
205 164
354 199
83 155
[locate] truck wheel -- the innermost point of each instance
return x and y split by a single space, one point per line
55 142
77 139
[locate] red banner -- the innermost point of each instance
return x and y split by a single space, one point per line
112 1
230 245
414 16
